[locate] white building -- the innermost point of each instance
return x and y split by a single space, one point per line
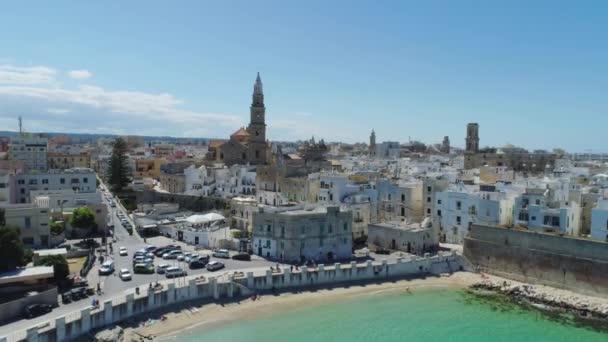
542 210
459 207
599 220
33 223
242 209
30 149
78 180
300 233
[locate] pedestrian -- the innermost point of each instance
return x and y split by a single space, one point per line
291 268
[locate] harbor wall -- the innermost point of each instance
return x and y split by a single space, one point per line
574 264
229 285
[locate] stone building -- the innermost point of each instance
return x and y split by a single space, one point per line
415 238
510 156
298 233
246 145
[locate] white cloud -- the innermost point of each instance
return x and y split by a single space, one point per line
79 74
35 75
36 94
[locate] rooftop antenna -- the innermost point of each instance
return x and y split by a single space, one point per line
20 126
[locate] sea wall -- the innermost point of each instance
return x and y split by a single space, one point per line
558 261
229 285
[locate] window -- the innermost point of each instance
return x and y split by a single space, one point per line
551 221
75 181
85 180
458 220
439 213
28 223
22 191
33 182
282 231
533 218
523 216
322 228
257 154
268 228
458 205
537 202
21 181
428 200
329 229
62 181
389 197
428 210
45 181
428 188
438 201
402 197
345 226
267 243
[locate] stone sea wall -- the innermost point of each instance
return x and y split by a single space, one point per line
229 285
563 262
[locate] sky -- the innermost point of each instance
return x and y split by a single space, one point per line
531 73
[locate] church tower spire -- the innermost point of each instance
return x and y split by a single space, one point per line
257 125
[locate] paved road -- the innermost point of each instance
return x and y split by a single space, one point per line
112 286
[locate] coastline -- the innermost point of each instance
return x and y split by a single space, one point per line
193 316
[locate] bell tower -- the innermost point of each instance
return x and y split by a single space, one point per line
257 124
258 147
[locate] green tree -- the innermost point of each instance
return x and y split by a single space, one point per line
83 218
119 175
56 228
59 263
12 252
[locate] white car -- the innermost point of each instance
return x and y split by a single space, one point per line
221 253
125 274
188 256
123 251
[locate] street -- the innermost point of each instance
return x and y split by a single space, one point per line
112 286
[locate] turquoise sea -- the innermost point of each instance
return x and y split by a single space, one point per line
433 315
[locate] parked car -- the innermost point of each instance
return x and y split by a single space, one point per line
79 293
172 254
107 267
160 251
188 256
123 251
160 269
142 260
221 253
143 268
150 249
214 265
36 310
174 246
66 297
124 274
198 263
242 257
204 257
173 272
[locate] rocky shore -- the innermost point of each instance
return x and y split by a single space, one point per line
585 309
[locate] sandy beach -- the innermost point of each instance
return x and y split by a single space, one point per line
216 314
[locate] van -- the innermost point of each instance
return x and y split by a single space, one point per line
221 253
172 272
107 267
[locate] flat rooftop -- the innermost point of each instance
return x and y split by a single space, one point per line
27 274
410 227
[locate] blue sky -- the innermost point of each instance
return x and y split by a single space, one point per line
534 74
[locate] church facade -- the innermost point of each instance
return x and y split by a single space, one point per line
246 145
